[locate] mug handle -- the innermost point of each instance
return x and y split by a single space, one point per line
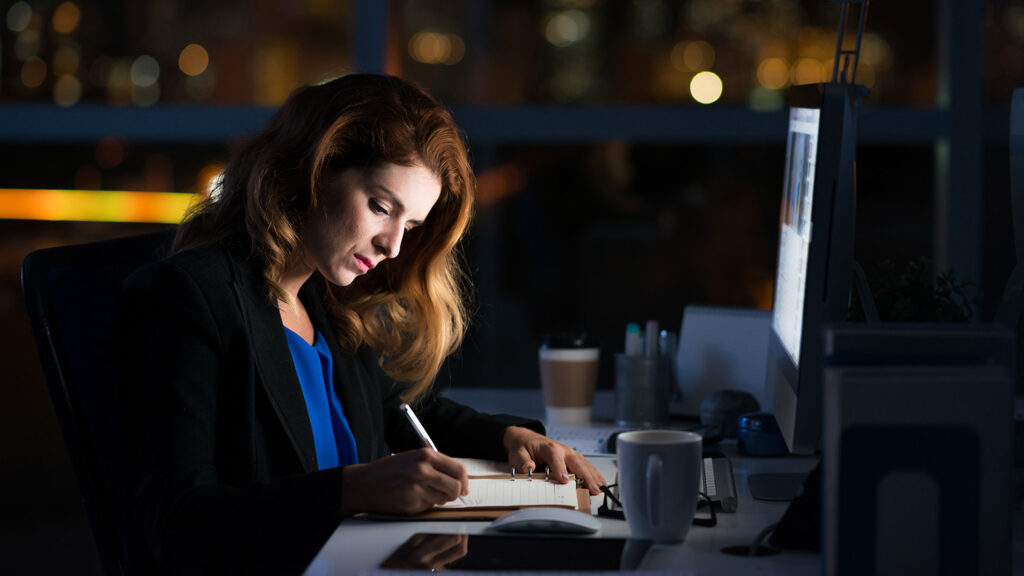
654 466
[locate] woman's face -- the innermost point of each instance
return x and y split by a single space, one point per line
363 217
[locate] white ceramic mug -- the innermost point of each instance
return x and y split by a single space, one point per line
659 479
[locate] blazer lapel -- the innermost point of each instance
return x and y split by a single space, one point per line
274 361
350 378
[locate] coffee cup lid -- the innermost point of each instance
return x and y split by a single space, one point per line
569 340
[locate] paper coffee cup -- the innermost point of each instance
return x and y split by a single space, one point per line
568 376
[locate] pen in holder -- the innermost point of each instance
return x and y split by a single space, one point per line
643 388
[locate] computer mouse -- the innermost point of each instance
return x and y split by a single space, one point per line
547 519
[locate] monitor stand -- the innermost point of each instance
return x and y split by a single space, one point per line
800 526
776 487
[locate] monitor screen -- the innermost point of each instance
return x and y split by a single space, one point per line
795 228
815 254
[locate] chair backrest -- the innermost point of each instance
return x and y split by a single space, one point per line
71 296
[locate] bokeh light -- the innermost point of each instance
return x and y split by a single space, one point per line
33 72
437 48
19 15
145 95
692 56
145 71
773 73
119 82
875 51
193 60
67 90
66 18
706 87
66 60
566 27
429 47
808 71
458 50
27 45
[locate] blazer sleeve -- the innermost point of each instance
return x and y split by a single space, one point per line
458 430
176 381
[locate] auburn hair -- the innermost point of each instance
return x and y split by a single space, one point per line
411 309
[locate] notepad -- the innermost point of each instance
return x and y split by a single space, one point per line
492 485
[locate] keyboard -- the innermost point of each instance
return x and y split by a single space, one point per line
590 441
718 482
716 472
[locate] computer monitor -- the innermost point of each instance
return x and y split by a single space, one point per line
816 227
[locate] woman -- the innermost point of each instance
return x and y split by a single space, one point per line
265 360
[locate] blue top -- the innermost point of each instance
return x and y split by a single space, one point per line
335 445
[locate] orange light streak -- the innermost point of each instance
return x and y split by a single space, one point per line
93 205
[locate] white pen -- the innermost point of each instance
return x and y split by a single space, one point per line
421 432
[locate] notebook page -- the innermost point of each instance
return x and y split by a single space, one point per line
498 493
478 467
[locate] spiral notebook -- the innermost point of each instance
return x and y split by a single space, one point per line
494 490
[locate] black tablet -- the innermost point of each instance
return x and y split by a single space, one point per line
515 552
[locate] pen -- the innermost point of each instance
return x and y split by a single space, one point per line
651 339
632 339
420 430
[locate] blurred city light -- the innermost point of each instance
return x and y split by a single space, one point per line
773 73
566 27
706 87
145 71
33 72
193 60
66 60
436 48
27 45
66 18
67 90
19 15
808 71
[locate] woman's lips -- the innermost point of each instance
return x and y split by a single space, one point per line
365 264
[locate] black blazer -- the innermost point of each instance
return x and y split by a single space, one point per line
225 471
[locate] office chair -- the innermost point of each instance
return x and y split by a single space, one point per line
71 294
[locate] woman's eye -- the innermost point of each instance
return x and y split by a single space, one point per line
377 208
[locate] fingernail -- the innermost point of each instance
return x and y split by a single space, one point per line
565 476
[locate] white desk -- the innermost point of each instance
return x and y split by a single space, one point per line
359 544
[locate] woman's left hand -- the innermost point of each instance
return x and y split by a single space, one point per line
528 449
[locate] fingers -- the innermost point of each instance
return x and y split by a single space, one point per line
441 474
527 449
451 467
404 483
520 459
592 478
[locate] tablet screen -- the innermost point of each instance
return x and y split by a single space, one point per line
515 552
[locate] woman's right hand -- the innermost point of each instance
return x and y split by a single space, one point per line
405 483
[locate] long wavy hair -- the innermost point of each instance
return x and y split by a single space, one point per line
411 309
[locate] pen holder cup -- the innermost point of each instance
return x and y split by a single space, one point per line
643 389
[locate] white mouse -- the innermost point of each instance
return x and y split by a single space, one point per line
547 519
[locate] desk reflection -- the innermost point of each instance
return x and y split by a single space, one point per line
504 552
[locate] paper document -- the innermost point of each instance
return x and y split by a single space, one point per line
492 485
506 493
